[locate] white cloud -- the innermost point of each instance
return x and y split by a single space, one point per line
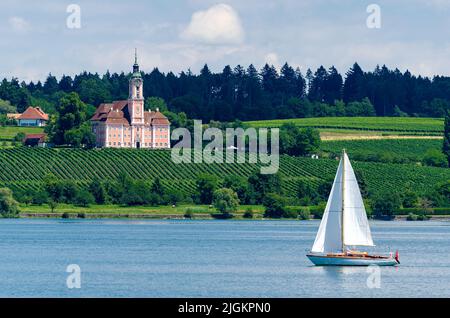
19 24
272 59
220 24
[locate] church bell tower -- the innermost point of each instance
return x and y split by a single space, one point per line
136 97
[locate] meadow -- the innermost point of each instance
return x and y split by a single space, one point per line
7 133
118 211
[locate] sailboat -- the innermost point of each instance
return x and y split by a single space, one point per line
344 224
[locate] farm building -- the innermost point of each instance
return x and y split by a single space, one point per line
35 140
32 116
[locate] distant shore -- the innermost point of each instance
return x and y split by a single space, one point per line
137 216
133 212
199 212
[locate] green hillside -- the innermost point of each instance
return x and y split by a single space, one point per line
26 167
7 133
388 124
399 150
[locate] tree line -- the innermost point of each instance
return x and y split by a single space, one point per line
248 94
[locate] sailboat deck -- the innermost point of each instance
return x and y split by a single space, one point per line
355 255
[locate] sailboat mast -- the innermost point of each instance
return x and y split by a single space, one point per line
343 200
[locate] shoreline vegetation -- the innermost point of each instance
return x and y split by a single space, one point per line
399 178
197 212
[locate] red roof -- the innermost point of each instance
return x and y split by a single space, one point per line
155 118
117 113
114 113
33 113
41 137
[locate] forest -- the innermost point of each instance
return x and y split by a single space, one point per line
247 93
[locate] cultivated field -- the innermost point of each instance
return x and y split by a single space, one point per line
26 168
402 125
401 150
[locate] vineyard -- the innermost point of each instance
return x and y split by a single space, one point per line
25 168
388 124
412 150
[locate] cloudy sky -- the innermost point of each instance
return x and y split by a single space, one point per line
175 35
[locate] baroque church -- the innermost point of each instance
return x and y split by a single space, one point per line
125 124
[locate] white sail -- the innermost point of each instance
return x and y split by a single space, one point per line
356 225
344 204
329 236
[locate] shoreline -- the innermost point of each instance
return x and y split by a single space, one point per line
179 212
198 216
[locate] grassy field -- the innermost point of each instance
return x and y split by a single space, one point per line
25 168
431 126
201 211
9 132
412 150
161 212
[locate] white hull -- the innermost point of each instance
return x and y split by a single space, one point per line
324 260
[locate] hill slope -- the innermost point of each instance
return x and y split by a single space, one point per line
395 150
25 168
7 133
387 124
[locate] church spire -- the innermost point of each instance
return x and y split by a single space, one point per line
136 71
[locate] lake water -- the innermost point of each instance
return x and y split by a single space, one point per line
210 259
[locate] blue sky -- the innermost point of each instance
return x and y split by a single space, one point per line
175 35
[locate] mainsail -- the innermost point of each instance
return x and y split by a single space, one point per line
344 207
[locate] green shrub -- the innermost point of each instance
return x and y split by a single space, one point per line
222 216
39 198
409 199
225 200
305 213
318 211
81 215
8 206
248 214
189 214
65 215
290 214
436 211
275 206
301 212
386 204
417 217
435 158
423 217
83 198
19 137
52 204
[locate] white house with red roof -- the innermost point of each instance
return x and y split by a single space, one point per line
125 124
32 116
